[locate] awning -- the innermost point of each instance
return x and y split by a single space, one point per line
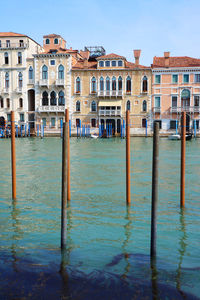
110 103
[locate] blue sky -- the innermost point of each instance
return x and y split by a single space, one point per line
119 26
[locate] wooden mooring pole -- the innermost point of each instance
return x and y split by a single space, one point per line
183 133
13 155
128 168
68 155
154 189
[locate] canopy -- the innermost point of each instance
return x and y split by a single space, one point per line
110 103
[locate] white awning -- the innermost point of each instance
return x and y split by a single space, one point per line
110 103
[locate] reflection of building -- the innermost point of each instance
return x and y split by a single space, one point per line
104 86
175 87
15 52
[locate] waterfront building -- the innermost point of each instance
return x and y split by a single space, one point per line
175 88
105 86
15 52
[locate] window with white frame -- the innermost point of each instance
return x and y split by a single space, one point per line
114 83
120 83
6 59
45 98
20 80
44 122
196 100
19 56
144 106
101 84
52 62
61 72
107 84
174 101
157 78
47 41
78 106
78 85
56 41
197 78
157 102
53 98
128 105
107 63
93 85
30 73
53 122
93 106
144 84
128 84
186 78
114 63
101 63
174 78
61 98
7 80
44 72
120 63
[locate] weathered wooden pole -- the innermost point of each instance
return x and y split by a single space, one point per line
68 155
13 155
154 199
128 168
183 133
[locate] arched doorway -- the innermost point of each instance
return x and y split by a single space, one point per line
185 98
31 108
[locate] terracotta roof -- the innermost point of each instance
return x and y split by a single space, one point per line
51 35
176 61
111 55
60 50
131 65
11 34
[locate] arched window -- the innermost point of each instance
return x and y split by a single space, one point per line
56 41
144 84
45 100
30 73
20 80
185 98
47 41
53 98
61 98
128 84
94 106
94 85
44 72
19 55
128 105
107 84
144 105
114 83
78 85
101 84
120 83
7 80
61 72
6 61
78 106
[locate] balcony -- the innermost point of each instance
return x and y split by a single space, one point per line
157 109
44 82
19 90
60 82
51 108
189 109
6 90
13 46
110 93
31 81
110 112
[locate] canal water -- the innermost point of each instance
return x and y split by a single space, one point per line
108 245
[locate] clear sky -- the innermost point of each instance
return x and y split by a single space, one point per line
154 26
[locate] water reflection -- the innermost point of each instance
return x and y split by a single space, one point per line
127 229
154 275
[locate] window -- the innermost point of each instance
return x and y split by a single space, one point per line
144 84
175 78
120 63
107 63
144 106
8 117
44 121
61 98
20 81
19 55
61 72
78 106
6 80
128 84
53 122
21 43
172 124
30 73
114 83
8 43
174 101
94 85
47 41
53 98
44 72
113 63
93 122
157 79
120 83
101 84
101 63
94 106
52 62
78 122
128 105
20 102
56 41
78 85
1 102
45 100
21 117
107 84
197 78
157 102
6 60
144 123
185 78
196 100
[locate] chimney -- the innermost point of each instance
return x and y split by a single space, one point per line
137 56
167 55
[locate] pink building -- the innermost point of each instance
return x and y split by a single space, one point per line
175 88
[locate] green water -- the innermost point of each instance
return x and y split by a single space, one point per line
104 239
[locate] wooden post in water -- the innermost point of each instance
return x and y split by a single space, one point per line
13 155
68 155
128 168
183 133
154 189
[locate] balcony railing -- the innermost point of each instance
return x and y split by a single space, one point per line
190 109
110 112
6 90
60 82
157 109
31 81
53 108
43 82
13 45
110 93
